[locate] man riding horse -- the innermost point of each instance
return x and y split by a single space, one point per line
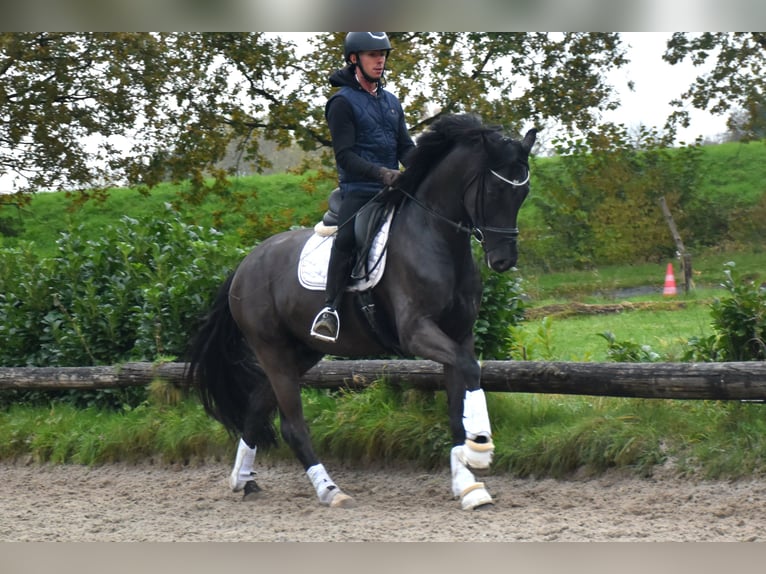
464 180
370 140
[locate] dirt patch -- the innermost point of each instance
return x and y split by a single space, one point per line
150 503
563 310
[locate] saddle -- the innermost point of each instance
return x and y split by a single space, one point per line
368 222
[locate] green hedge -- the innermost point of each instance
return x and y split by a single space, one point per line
135 293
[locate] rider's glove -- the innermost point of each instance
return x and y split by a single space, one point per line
389 177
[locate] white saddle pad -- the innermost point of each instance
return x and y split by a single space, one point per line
315 257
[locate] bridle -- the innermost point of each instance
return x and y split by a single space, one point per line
511 233
510 181
476 228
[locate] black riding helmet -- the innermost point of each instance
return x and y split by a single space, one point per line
364 41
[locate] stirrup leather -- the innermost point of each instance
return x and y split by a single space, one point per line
319 321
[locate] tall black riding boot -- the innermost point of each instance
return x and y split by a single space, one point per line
326 325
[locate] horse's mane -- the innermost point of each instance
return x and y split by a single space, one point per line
437 141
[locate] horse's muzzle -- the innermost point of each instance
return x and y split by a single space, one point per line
502 265
500 247
503 257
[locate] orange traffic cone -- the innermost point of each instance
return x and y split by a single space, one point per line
670 281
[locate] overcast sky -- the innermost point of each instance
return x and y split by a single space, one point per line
656 83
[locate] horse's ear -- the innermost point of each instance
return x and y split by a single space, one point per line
529 140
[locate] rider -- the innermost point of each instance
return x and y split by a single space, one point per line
370 140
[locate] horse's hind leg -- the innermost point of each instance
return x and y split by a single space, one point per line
258 428
242 477
284 374
296 434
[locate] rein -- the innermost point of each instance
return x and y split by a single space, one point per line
455 224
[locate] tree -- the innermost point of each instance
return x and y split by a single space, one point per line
737 80
86 110
57 91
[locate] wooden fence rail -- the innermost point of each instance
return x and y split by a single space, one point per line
716 381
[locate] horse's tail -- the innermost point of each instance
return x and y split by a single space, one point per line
231 384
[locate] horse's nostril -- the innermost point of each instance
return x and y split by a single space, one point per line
502 265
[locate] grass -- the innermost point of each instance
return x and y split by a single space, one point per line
545 435
735 170
577 338
606 282
61 433
254 206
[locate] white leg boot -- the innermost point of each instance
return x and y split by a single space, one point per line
472 494
479 446
242 473
327 491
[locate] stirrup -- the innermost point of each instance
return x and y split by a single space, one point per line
320 321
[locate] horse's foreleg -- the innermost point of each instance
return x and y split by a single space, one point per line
469 418
468 415
473 447
472 494
479 447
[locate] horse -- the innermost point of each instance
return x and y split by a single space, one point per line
465 180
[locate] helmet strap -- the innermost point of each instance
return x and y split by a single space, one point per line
378 81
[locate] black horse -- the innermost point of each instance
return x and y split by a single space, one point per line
465 180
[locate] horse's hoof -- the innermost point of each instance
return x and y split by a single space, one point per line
251 490
475 496
477 455
342 500
237 483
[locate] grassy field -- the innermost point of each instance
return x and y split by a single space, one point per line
575 335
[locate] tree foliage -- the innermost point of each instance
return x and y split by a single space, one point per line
600 203
85 110
736 82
